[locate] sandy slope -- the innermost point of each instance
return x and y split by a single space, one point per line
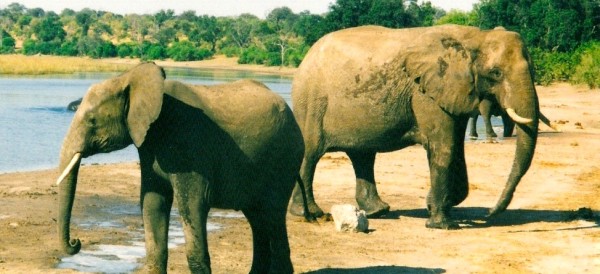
540 233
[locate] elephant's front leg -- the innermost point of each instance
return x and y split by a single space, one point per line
191 190
367 196
156 201
449 181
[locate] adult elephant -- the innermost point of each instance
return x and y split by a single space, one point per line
233 146
371 89
489 107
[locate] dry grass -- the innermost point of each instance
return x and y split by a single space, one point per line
22 64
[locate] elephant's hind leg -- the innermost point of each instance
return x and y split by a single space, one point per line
367 196
271 250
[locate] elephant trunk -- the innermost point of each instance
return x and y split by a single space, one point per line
527 106
70 159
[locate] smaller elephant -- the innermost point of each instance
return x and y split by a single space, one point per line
488 107
74 105
233 146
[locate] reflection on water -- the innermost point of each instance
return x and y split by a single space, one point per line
125 258
34 119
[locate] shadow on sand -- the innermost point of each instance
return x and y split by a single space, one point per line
476 217
379 270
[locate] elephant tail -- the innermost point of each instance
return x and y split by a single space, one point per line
307 215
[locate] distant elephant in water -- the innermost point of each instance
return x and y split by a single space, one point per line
371 89
488 107
74 105
234 146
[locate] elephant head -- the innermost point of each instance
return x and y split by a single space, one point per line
112 115
506 72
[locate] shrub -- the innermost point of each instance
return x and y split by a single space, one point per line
69 48
253 55
154 52
187 51
230 51
125 50
587 71
552 66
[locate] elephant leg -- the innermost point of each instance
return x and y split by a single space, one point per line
191 191
307 173
366 190
156 200
473 128
459 180
271 250
485 108
509 125
449 182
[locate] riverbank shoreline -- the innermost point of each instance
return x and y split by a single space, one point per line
16 64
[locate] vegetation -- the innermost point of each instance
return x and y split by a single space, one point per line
563 36
45 64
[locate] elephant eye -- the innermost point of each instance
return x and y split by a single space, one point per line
495 73
91 121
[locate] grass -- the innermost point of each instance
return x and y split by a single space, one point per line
17 64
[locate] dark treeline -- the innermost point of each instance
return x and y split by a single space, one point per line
562 35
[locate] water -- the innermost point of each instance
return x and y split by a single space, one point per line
34 119
106 258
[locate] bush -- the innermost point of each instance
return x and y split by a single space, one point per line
552 66
253 55
8 43
587 71
69 48
154 52
187 51
125 50
230 51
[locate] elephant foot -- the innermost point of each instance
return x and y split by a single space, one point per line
490 140
443 223
473 137
297 209
374 207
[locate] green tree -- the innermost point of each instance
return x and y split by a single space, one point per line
50 28
310 26
458 17
84 19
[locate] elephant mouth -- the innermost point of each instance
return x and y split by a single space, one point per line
76 158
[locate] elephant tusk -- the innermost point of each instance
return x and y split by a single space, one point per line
69 167
515 117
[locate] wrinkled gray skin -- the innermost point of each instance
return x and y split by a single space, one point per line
234 146
371 89
488 107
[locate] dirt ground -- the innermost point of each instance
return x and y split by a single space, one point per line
548 228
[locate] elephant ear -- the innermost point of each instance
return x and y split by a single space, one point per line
445 73
145 85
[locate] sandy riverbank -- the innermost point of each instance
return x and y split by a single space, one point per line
540 233
218 62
